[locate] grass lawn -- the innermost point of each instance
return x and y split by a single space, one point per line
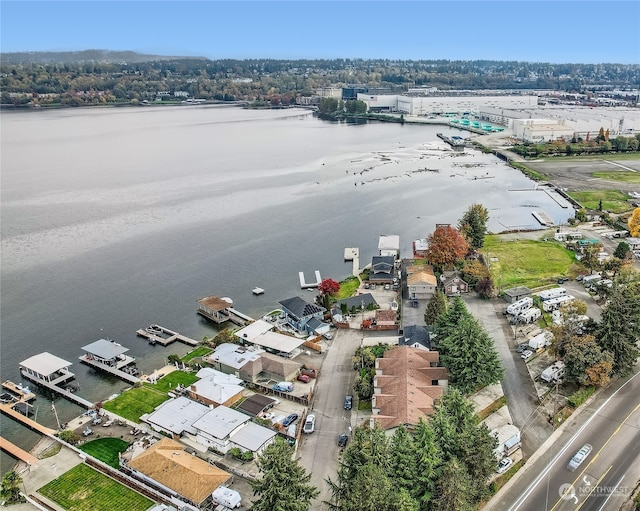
84 489
606 156
347 288
135 402
612 200
106 450
624 177
199 352
172 380
526 262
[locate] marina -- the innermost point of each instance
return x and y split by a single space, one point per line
157 334
454 141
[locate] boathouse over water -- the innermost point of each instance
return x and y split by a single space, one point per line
48 368
107 353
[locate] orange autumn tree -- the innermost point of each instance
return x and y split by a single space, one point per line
446 246
634 223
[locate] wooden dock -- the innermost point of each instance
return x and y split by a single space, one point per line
308 285
86 359
8 410
59 390
164 336
22 393
17 452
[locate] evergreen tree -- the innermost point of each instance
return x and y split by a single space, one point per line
403 459
454 488
427 460
437 305
473 225
283 484
469 356
586 363
619 328
446 323
10 490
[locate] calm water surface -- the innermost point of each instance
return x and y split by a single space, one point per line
117 218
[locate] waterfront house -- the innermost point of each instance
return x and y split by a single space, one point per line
261 334
167 466
298 312
381 270
215 388
421 281
389 245
407 384
214 308
231 358
175 417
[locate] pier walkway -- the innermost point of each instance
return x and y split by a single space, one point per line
23 393
17 452
59 390
86 359
8 410
161 335
353 254
306 285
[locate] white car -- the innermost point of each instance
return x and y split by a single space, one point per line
504 465
579 457
309 424
526 354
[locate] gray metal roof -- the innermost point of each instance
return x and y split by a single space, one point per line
220 422
252 436
177 415
105 349
45 363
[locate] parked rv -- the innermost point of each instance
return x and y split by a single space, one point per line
550 294
540 341
554 373
226 497
520 306
556 303
530 315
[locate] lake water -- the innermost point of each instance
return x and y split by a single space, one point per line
113 219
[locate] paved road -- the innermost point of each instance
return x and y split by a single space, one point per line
319 451
611 424
517 384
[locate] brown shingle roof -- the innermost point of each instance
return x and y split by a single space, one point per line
214 303
167 463
404 392
276 364
386 315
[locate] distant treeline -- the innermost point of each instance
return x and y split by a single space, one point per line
99 77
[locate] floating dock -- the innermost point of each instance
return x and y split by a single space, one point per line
109 356
455 142
543 218
8 410
17 452
353 254
307 285
257 291
157 334
22 393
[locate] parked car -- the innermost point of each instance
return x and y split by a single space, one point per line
387 287
342 440
504 465
290 419
522 347
348 402
87 431
526 354
309 424
579 457
303 378
283 386
562 280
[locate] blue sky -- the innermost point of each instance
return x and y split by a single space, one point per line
575 31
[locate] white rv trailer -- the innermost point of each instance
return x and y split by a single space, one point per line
554 373
520 306
549 294
556 303
530 315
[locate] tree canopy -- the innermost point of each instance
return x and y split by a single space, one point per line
634 223
446 246
283 484
473 225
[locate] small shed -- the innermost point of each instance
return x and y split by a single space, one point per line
516 293
108 353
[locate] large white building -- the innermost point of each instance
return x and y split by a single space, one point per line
435 105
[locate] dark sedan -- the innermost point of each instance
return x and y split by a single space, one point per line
290 419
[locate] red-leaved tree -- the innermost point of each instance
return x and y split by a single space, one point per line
327 288
446 246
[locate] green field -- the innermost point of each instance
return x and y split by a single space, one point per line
623 177
106 450
172 380
84 489
612 200
526 262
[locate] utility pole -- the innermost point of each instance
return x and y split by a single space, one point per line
53 408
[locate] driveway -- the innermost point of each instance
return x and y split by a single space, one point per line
517 384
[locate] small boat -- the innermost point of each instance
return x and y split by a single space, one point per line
153 340
257 291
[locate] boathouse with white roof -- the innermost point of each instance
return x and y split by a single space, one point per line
47 367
